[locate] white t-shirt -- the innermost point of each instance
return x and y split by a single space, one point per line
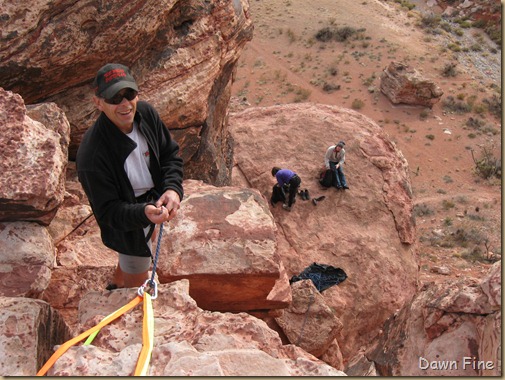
137 163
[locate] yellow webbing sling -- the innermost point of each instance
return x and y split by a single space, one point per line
147 333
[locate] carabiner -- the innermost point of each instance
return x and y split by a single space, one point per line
152 285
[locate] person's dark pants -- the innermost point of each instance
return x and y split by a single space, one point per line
339 177
294 184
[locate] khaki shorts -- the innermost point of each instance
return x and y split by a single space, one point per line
134 264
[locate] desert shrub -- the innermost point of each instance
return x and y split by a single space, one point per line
476 47
462 236
495 33
424 114
446 26
291 36
343 33
462 199
459 32
325 34
455 47
369 81
486 165
475 217
302 94
480 126
328 87
493 105
447 179
447 204
450 104
422 210
449 70
333 71
475 123
430 137
473 255
357 104
479 108
430 20
465 236
405 4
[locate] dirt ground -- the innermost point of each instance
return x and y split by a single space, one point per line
458 213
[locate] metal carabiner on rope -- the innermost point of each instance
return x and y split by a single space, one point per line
151 282
152 285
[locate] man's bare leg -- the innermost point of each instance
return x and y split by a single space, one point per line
118 277
129 280
135 280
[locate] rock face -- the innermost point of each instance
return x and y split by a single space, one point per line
188 341
182 54
34 145
368 231
224 243
28 331
308 322
402 84
450 329
26 259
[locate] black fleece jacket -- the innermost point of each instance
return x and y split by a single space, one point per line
100 168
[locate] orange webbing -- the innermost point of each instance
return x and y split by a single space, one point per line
147 337
65 346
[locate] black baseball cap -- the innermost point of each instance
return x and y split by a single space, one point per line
112 78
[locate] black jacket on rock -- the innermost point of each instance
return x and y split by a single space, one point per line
100 168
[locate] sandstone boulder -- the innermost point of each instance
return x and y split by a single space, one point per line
27 258
403 84
34 146
29 329
368 231
188 341
223 241
182 54
308 322
449 329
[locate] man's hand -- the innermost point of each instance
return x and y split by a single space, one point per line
165 208
170 199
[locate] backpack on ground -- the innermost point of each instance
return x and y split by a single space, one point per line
278 194
326 178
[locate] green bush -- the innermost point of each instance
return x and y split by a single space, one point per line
430 20
486 165
357 104
451 104
449 70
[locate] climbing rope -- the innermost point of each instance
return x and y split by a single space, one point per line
147 324
156 256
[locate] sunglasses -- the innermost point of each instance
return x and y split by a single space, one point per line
129 94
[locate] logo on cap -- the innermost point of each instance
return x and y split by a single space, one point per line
113 74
